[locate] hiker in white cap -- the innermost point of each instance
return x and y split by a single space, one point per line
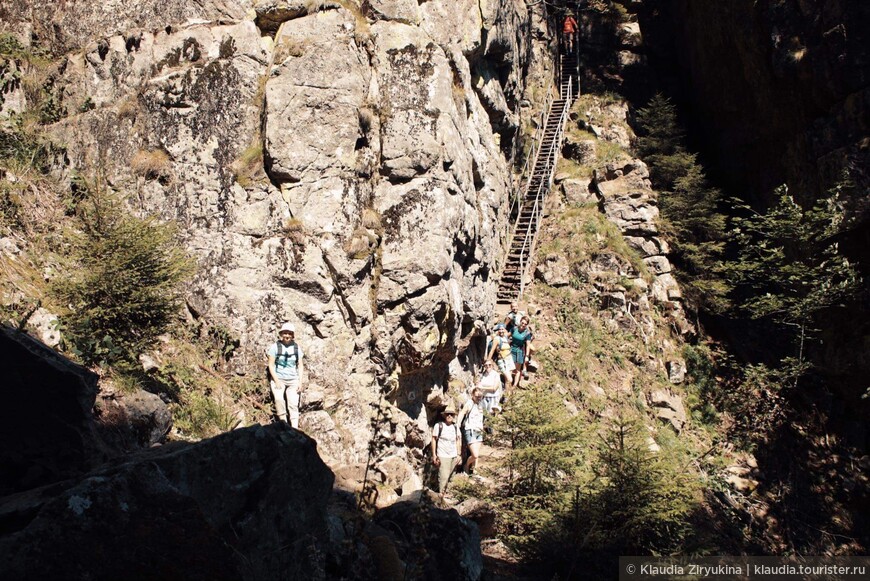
446 445
285 373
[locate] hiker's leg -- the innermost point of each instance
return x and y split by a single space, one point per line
445 469
473 454
292 395
278 395
519 357
504 366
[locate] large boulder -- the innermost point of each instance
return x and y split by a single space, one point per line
250 504
451 542
133 420
668 407
46 426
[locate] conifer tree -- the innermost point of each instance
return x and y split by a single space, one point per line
643 500
544 455
690 212
789 267
122 285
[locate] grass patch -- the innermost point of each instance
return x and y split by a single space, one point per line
207 398
248 168
362 32
585 234
371 219
128 108
151 163
574 170
287 47
609 152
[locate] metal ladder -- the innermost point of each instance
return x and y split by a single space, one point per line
524 229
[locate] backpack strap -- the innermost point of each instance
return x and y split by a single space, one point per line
286 354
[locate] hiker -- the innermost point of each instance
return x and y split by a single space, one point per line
521 338
500 351
490 385
569 32
512 319
446 445
285 373
471 421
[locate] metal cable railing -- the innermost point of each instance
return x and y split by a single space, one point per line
531 234
532 156
526 208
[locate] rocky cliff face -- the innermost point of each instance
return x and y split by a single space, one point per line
796 80
344 168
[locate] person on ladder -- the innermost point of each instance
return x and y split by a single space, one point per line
569 33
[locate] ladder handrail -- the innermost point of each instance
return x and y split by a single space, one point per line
531 238
534 154
530 204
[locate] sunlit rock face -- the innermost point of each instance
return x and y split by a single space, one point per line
67 26
348 172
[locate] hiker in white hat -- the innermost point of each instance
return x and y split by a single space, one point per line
446 445
285 373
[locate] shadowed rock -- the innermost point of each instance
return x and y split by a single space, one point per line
250 504
451 543
46 426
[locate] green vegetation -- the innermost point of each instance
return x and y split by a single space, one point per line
587 234
565 503
545 452
248 168
572 169
23 148
637 503
122 281
789 266
640 501
784 270
591 473
690 207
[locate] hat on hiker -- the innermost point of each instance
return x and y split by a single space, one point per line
450 409
499 327
288 328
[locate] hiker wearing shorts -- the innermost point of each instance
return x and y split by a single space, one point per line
521 337
501 353
472 428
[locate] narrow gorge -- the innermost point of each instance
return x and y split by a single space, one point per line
355 168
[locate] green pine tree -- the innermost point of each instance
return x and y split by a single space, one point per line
690 214
789 267
122 285
545 452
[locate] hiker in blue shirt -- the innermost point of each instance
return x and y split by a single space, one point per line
520 337
285 373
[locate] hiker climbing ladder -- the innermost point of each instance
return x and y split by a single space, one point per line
528 218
